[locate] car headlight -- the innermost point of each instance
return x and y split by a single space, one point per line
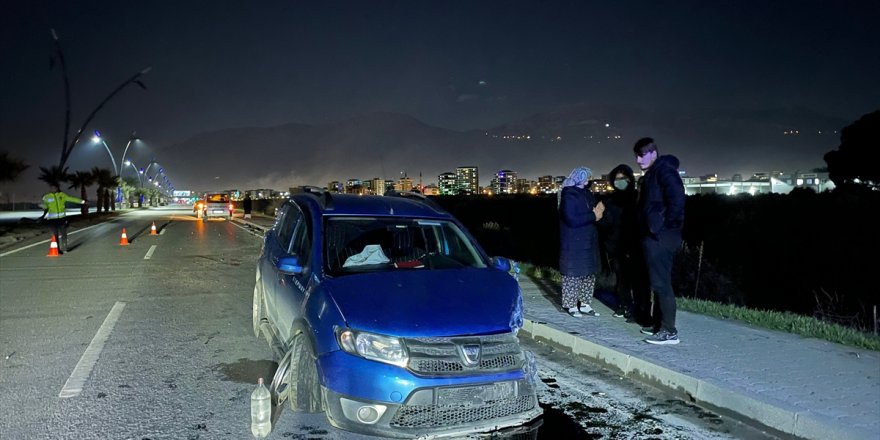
372 346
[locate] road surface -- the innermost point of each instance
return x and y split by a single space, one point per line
153 341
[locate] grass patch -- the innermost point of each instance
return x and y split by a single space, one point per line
806 326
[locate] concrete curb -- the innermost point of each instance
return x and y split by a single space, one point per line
693 389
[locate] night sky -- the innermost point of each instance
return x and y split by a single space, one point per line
456 65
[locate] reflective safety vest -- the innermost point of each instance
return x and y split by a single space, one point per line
53 203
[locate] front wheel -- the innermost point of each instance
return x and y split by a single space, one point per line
304 388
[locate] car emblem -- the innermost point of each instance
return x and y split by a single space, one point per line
471 354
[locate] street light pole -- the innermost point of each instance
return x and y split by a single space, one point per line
136 171
131 138
67 148
98 138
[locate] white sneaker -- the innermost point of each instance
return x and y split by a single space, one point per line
587 310
573 311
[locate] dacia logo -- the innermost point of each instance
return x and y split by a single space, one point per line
471 354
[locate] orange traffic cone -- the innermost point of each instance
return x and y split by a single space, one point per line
53 248
153 229
124 240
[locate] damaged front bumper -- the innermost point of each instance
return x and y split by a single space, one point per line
438 412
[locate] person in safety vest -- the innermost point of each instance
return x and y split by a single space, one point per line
53 211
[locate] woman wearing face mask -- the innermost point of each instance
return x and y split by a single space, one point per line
622 247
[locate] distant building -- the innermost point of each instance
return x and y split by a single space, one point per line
354 186
335 186
377 186
546 185
431 190
404 184
558 181
467 179
761 183
257 194
504 182
525 186
447 184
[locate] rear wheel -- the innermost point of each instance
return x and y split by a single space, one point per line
304 389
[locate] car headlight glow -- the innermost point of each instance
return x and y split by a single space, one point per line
372 346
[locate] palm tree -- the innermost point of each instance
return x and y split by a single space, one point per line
110 183
10 167
81 179
104 178
129 187
53 175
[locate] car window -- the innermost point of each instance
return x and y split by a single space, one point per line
301 245
217 198
369 244
286 223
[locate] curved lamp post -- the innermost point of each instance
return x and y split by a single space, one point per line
100 139
131 138
137 171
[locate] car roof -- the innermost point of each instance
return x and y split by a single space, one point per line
349 204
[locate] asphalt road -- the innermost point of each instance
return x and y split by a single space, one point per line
153 341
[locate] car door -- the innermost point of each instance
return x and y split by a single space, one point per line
292 287
276 246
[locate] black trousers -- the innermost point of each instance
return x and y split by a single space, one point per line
58 226
659 255
632 287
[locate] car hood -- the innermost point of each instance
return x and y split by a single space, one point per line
416 303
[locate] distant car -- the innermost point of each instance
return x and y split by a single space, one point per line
389 317
214 205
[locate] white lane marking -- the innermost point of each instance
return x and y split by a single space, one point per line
162 232
83 368
46 241
150 252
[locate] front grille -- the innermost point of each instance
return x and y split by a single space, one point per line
443 357
427 416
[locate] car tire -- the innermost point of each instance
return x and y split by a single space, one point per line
257 312
304 389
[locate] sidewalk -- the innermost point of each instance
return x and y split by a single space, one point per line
803 387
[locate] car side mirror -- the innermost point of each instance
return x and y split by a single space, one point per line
289 265
501 263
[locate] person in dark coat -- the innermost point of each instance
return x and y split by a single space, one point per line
578 243
661 219
247 204
620 236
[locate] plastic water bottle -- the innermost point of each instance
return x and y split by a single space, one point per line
261 411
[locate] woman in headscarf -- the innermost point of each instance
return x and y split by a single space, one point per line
578 243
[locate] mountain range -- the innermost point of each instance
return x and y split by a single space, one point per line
389 145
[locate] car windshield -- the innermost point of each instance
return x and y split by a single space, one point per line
376 244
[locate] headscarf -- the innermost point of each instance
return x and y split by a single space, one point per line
578 176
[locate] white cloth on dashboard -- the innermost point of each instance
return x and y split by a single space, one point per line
372 254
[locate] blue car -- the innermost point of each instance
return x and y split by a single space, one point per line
388 316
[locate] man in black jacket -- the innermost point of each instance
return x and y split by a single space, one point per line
661 217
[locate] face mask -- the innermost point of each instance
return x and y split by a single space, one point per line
621 184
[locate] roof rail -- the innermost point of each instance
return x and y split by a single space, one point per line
322 193
414 195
